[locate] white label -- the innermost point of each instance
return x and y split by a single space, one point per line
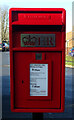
38 79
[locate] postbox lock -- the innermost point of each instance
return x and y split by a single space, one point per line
38 56
22 81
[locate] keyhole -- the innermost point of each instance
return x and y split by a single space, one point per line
22 81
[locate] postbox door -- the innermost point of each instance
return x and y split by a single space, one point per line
24 95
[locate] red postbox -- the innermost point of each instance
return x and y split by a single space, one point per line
37 59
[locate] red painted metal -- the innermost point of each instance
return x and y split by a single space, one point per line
37 21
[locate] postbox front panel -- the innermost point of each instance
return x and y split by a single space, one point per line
50 96
37 61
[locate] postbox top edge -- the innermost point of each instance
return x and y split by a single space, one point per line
37 9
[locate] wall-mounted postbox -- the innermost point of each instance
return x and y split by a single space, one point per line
37 59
